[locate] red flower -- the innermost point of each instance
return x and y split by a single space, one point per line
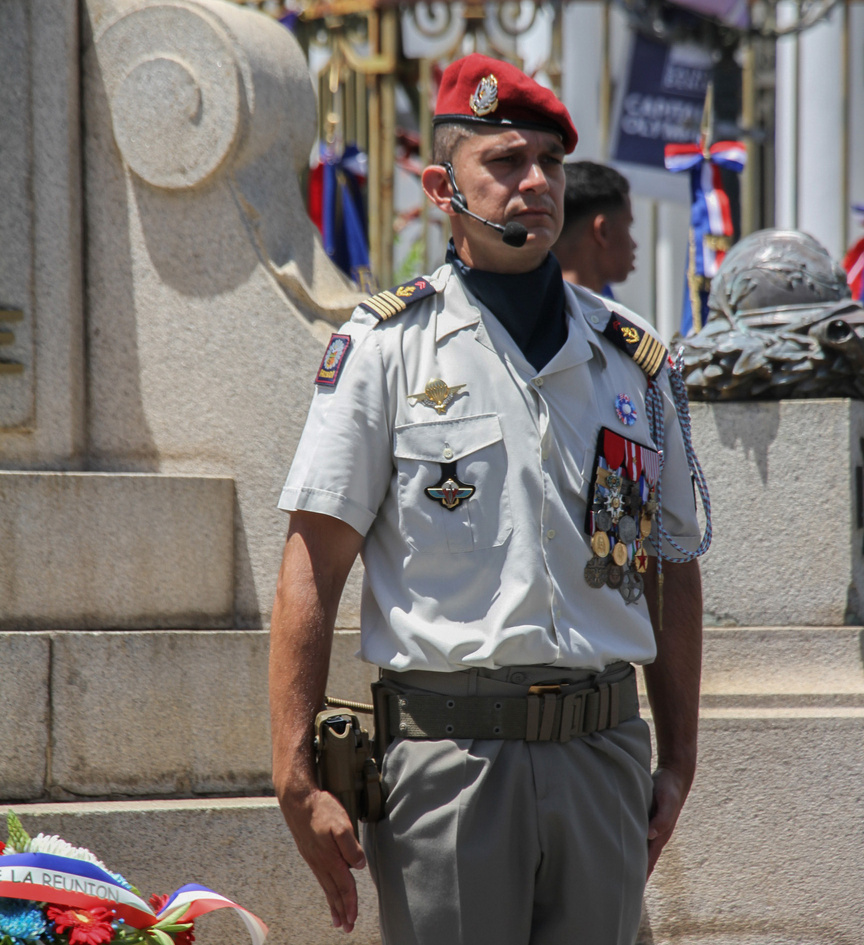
89 926
158 900
2 847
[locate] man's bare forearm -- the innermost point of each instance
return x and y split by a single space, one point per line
673 691
318 555
673 678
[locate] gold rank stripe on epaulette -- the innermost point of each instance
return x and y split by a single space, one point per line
645 350
391 302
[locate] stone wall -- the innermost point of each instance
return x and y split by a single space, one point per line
42 369
143 714
788 501
208 294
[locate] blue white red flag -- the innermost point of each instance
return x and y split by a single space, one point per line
711 228
336 207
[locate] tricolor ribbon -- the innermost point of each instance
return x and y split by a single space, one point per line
622 453
711 230
65 881
202 900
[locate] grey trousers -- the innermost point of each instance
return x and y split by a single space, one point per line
512 842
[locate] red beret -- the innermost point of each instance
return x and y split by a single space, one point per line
486 91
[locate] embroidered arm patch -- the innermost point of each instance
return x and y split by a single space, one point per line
334 358
640 345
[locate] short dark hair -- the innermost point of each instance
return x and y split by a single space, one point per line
590 189
446 139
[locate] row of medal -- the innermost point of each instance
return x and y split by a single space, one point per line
620 523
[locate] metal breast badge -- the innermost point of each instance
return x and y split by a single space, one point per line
449 491
437 394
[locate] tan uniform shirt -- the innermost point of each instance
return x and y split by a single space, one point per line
498 580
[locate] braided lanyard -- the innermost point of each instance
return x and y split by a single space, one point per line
655 415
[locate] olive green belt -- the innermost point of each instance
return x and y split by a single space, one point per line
556 713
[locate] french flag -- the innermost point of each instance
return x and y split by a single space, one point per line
711 229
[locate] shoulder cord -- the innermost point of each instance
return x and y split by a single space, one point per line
655 416
654 410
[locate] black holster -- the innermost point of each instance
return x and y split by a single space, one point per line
345 765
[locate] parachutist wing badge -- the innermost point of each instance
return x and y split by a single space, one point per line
437 394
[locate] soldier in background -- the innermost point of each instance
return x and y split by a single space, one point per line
596 248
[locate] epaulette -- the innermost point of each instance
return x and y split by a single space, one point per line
647 351
390 302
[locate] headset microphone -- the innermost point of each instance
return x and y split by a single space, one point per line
513 234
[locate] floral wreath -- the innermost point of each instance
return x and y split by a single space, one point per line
53 893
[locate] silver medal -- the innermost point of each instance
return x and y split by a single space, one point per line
632 586
602 520
627 529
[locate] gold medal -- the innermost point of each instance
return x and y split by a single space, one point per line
640 559
645 526
619 553
600 544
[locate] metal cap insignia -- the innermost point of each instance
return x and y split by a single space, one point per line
484 101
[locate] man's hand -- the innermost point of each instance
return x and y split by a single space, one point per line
670 792
324 836
318 555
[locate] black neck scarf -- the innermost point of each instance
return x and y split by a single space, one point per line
530 305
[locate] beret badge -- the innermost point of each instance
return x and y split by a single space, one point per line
484 101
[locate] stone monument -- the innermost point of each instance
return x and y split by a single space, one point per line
164 299
765 852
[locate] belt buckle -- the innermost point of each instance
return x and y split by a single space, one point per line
546 689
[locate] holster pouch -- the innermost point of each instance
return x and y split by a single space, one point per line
345 766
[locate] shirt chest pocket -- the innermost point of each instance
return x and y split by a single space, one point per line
450 457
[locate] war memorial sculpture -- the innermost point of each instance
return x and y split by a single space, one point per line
781 325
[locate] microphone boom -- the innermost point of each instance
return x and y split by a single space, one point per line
513 234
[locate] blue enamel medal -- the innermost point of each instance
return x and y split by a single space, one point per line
625 410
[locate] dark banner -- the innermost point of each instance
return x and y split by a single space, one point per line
662 101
